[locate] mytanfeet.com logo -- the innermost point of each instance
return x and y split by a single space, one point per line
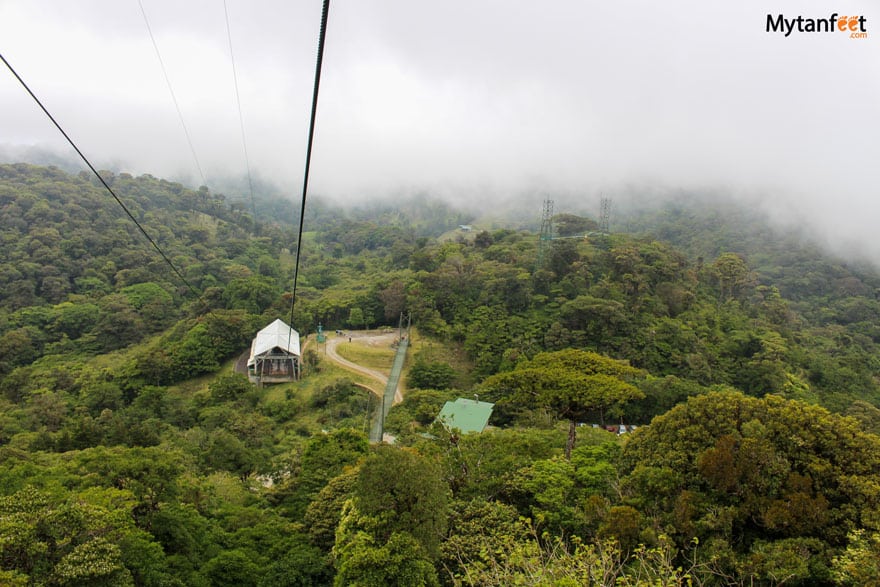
852 26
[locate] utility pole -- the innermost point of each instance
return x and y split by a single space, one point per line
546 234
605 215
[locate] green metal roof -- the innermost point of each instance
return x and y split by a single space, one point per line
467 415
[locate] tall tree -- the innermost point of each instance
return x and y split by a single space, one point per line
398 491
572 384
762 480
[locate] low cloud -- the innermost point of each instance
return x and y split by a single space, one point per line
467 99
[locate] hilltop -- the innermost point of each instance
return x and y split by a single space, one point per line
132 454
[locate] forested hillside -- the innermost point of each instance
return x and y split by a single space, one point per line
131 454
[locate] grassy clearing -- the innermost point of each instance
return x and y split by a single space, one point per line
368 355
338 372
328 374
329 369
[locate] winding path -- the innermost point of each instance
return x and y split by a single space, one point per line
383 339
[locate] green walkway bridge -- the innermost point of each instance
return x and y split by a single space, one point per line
378 429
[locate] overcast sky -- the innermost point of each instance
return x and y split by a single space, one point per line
468 97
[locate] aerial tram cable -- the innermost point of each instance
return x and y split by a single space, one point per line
305 189
173 96
247 162
165 258
105 184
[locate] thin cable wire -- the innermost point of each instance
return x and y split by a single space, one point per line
104 183
173 96
247 162
302 212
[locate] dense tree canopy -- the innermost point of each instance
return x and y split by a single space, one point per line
131 454
572 384
758 478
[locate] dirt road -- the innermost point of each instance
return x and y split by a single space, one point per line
380 339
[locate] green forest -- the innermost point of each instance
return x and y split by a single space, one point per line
742 358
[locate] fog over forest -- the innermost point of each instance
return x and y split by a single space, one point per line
689 396
489 102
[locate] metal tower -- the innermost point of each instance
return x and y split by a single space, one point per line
546 233
605 215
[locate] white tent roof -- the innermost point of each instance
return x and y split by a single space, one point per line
278 334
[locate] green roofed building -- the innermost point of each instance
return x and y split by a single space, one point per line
466 415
